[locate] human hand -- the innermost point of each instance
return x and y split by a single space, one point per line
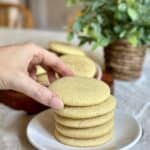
18 71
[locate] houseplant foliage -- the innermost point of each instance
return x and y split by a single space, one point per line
103 22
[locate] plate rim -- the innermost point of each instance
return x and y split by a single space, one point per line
131 144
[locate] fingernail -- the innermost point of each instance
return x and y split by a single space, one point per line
56 103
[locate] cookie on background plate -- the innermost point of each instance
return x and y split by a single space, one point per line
80 65
65 48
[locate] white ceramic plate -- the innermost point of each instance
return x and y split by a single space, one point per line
40 133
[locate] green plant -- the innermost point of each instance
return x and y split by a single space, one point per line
103 21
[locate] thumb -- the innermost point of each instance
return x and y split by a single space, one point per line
31 88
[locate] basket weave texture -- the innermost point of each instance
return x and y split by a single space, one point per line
123 60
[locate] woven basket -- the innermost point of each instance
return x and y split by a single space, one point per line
123 60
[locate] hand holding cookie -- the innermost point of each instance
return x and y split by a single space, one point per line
18 71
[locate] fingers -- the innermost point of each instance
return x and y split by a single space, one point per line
51 76
56 64
31 88
52 61
50 73
32 72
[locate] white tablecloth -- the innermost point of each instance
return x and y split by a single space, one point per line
131 96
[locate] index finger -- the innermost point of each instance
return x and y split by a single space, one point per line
51 60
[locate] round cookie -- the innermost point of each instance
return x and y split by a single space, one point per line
89 111
80 91
84 123
80 65
85 133
65 48
83 142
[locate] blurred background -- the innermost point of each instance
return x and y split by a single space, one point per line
121 28
45 14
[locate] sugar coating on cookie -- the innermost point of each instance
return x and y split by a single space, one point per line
83 142
80 65
85 133
84 123
90 111
80 91
65 48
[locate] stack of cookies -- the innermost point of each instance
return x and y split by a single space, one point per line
88 116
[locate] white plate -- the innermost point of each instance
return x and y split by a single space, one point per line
40 133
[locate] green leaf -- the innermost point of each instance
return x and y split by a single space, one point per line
69 36
84 39
97 4
103 41
118 15
122 34
122 7
77 26
95 45
104 21
70 2
133 30
130 2
86 30
133 40
117 29
132 14
99 19
96 28
82 42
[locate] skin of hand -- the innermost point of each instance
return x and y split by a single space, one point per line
18 72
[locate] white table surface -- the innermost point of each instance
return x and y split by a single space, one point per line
131 96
